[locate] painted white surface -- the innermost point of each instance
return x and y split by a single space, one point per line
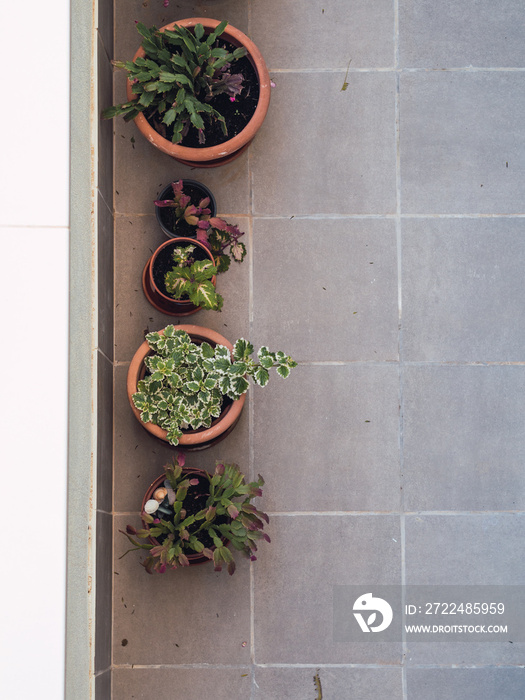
34 219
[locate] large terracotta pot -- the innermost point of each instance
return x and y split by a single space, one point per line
225 152
191 439
194 558
154 291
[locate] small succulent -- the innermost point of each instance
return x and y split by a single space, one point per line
199 515
184 209
182 71
218 235
192 278
187 383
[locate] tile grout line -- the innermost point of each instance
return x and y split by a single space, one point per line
398 70
400 340
335 217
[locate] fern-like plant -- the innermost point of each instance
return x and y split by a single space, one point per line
192 278
181 72
187 383
197 514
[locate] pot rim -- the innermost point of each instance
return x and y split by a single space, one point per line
196 437
199 155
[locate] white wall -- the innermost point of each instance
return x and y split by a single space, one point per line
34 231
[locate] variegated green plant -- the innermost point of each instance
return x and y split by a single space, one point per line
192 278
225 513
181 72
187 382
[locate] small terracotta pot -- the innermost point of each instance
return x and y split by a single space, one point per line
195 558
167 193
191 439
156 294
229 150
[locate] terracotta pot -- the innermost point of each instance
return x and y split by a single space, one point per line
195 558
155 291
167 193
191 439
229 150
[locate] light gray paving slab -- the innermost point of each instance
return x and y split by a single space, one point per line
326 289
323 150
136 238
465 654
308 35
462 284
142 171
336 683
326 439
465 683
171 683
461 142
463 438
473 549
294 579
202 616
140 457
461 34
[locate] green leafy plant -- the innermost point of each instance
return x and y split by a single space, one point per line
187 383
197 514
192 278
181 72
218 235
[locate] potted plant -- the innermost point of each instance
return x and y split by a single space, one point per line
219 236
187 384
190 517
179 278
198 89
179 202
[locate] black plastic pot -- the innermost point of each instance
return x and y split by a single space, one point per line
197 191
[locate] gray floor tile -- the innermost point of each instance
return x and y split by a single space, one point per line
463 438
140 457
136 192
470 33
340 280
136 238
466 684
308 36
465 654
323 442
475 549
461 137
304 173
294 579
336 683
202 616
462 283
171 683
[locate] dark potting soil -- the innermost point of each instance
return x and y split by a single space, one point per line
194 502
164 263
167 214
237 114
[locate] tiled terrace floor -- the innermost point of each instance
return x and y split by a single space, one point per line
386 243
